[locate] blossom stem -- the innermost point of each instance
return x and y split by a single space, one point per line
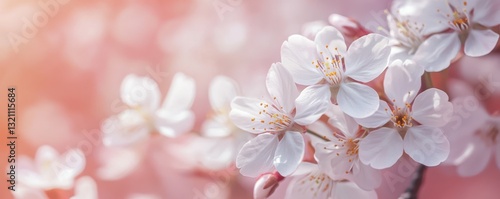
317 135
428 80
412 191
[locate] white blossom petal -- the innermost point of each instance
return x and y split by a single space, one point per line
333 161
312 102
357 100
436 53
378 119
475 158
180 95
218 126
85 188
402 82
432 108
171 125
247 114
307 186
289 153
281 87
486 12
331 37
138 91
345 123
257 155
381 148
426 145
347 190
367 57
366 177
125 128
221 92
480 42
297 55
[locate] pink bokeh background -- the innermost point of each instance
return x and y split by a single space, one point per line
67 76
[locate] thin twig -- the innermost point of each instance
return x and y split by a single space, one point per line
317 135
412 191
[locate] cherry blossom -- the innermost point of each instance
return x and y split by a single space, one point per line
338 157
277 121
85 188
414 121
330 70
51 170
310 182
473 133
145 115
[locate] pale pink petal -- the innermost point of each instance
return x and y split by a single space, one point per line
480 42
357 100
71 164
305 168
138 91
281 87
257 155
331 37
348 190
432 108
426 145
367 57
127 127
366 177
333 161
320 128
221 92
306 186
381 148
475 157
402 82
486 12
289 153
378 119
180 95
297 55
436 53
26 192
312 102
171 125
345 123
85 188
217 126
247 114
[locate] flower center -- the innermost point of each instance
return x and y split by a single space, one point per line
274 117
406 32
458 20
401 117
331 66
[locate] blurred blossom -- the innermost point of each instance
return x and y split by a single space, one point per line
85 188
51 170
145 115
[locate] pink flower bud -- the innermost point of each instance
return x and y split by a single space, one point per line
266 185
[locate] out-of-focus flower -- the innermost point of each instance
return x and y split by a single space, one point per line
473 134
350 28
85 188
416 122
310 182
338 157
282 146
329 68
50 170
145 114
266 185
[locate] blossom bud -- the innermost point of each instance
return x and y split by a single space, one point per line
266 184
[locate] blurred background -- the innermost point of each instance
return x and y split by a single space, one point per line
67 59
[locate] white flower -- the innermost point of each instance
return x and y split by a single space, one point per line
416 122
329 68
85 188
50 170
310 182
283 145
338 157
474 134
145 115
